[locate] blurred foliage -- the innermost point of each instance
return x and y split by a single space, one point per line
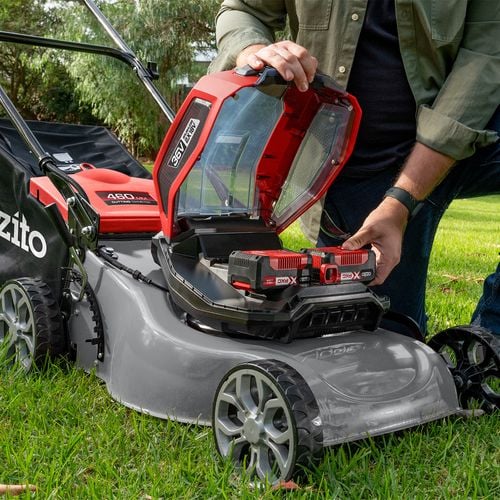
37 83
57 85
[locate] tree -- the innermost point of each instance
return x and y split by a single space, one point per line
35 79
20 16
165 31
49 84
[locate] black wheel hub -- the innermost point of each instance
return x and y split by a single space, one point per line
473 358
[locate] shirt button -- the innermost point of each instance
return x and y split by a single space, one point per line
341 69
355 17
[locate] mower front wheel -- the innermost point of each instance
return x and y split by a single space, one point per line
266 419
30 323
472 355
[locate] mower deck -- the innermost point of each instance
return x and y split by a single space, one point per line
365 383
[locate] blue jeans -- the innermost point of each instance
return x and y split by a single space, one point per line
350 200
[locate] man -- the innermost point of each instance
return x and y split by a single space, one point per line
427 76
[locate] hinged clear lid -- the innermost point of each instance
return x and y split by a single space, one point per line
264 151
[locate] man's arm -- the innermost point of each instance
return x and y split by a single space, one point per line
454 123
448 131
241 24
384 227
245 35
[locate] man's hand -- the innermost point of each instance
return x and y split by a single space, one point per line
292 61
385 226
383 229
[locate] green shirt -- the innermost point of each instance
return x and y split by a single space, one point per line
450 50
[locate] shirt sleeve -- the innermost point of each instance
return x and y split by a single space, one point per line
456 122
244 23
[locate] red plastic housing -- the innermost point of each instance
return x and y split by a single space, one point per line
332 265
125 204
188 141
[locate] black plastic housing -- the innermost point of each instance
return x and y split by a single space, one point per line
198 285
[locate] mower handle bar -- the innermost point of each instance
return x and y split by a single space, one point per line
84 215
45 160
144 74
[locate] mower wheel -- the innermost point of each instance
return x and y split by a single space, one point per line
473 358
266 419
30 323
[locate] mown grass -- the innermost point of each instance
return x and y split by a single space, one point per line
465 252
61 431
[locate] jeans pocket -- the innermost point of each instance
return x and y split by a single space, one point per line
314 14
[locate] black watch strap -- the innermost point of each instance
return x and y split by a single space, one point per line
406 199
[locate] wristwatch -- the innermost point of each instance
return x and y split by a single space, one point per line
406 199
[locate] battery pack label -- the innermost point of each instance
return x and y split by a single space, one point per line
283 280
126 198
184 142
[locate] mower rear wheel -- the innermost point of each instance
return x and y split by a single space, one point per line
473 358
30 323
266 419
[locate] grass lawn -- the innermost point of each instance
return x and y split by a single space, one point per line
62 432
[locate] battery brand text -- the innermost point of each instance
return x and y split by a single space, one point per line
184 142
15 229
285 280
350 276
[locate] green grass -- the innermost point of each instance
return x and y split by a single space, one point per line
61 431
465 252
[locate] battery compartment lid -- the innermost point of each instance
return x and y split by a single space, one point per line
253 147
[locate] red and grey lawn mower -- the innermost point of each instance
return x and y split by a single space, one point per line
177 291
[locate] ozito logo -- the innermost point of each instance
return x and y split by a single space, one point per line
15 229
183 143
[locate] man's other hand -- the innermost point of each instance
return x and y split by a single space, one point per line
383 229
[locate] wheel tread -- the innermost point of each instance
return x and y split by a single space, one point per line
304 408
50 337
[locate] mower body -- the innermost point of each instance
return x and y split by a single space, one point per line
158 355
168 353
366 383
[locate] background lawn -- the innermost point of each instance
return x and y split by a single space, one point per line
62 432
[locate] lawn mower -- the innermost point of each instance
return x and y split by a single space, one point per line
175 288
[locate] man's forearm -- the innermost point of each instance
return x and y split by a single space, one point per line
424 169
385 225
